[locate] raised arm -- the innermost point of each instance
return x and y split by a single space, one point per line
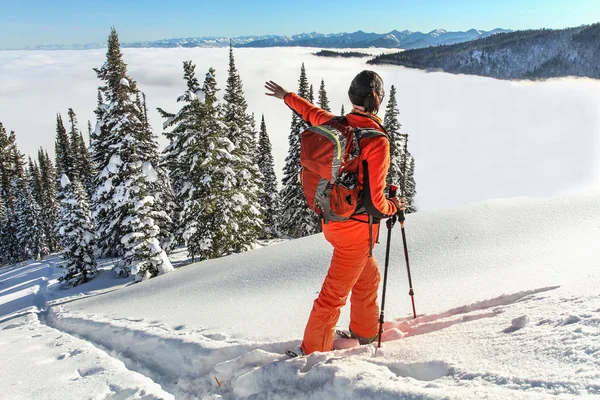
310 113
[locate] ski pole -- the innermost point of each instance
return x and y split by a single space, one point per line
411 293
390 224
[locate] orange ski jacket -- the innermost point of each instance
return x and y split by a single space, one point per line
374 154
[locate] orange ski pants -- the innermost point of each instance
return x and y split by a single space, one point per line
353 270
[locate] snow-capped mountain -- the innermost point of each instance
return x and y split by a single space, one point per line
359 39
394 39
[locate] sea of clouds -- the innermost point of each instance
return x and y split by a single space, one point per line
473 138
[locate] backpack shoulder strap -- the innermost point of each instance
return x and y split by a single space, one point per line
366 133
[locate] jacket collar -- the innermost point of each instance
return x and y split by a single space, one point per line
374 117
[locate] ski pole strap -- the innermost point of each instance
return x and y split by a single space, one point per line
400 213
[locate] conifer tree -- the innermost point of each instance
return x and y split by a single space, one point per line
3 231
122 131
297 219
35 182
6 170
159 184
177 157
62 148
311 94
143 256
246 220
343 112
211 210
270 198
49 203
253 129
82 166
89 128
77 234
11 179
408 185
86 172
401 171
30 232
73 136
392 126
323 101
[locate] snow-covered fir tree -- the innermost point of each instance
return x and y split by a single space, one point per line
186 128
209 213
311 94
11 173
122 130
65 163
254 131
248 184
35 181
323 101
82 165
143 256
270 197
30 231
408 172
401 171
342 112
89 128
392 125
297 219
3 230
49 203
159 184
77 234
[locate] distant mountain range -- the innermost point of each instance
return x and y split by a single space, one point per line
394 39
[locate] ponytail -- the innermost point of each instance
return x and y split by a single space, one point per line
372 102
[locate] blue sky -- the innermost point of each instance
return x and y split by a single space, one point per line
33 22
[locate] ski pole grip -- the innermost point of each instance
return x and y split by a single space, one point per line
392 193
401 218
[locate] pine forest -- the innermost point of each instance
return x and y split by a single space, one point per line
111 191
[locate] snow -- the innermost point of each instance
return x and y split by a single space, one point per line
124 82
64 366
114 163
64 181
508 298
149 172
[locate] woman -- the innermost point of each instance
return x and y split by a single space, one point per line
352 266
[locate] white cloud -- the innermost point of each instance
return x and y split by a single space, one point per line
473 138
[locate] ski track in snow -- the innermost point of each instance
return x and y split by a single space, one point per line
78 366
531 344
190 364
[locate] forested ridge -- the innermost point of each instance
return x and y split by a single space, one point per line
530 54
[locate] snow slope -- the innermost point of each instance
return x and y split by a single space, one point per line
507 291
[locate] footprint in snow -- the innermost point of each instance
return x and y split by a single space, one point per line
70 353
572 319
518 323
216 336
90 371
11 326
